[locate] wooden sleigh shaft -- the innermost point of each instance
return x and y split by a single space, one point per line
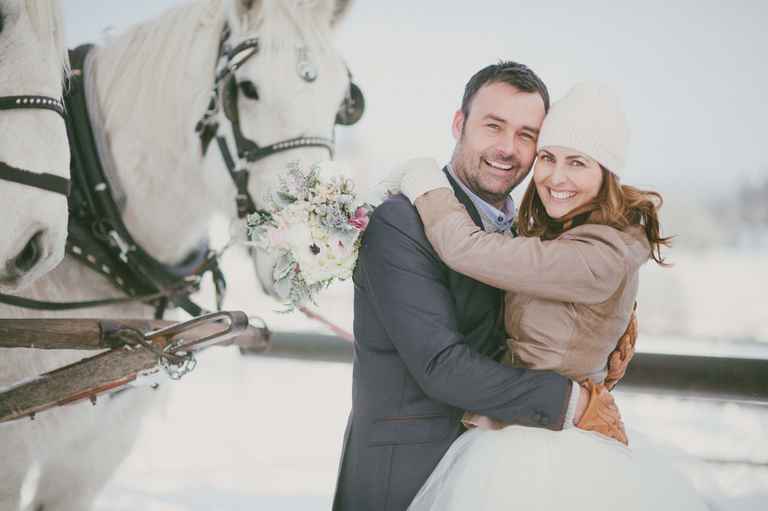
87 378
169 348
75 334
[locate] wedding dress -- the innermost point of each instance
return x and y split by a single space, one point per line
531 469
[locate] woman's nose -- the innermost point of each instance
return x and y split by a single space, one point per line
558 175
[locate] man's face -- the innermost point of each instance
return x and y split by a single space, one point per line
496 144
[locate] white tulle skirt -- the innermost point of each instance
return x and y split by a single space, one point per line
531 469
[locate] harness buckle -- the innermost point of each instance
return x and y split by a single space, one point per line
122 245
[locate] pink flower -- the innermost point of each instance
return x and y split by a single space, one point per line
360 220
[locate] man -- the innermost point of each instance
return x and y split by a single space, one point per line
427 337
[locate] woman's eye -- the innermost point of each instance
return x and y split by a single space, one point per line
577 163
493 127
546 157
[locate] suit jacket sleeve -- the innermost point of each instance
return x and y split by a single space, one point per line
584 265
407 285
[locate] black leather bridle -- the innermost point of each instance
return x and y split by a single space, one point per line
224 98
106 249
43 181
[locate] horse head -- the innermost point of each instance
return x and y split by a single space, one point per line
281 89
34 152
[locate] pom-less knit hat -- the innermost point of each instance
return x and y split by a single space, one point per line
589 119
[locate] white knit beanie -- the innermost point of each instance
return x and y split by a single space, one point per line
590 120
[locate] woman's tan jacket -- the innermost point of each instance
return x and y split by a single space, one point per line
568 300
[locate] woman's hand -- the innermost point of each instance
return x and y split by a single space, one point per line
618 361
413 178
422 175
387 187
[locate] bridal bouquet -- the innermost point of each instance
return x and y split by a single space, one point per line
313 226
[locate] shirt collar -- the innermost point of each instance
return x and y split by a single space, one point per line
501 219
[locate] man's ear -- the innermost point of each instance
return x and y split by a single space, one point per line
457 127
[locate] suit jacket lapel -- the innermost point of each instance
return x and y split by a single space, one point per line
464 199
491 346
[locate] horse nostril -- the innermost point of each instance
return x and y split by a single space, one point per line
30 255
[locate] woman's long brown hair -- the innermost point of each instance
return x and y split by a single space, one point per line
616 205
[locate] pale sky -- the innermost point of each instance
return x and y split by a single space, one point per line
692 73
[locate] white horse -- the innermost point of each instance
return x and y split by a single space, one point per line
147 89
34 152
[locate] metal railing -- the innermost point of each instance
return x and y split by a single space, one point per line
711 377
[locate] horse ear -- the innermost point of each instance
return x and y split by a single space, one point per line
247 5
340 11
331 10
245 13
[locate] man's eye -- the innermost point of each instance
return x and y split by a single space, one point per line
494 127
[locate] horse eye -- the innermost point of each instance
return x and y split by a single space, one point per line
249 90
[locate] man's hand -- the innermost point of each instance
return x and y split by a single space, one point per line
601 414
473 420
618 360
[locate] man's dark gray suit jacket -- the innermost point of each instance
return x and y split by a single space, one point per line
424 336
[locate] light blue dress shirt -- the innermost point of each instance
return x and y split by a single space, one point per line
500 219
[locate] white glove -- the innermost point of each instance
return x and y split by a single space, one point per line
423 175
388 186
393 183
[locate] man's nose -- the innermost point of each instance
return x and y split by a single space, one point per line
506 147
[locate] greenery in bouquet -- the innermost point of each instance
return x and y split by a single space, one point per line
313 227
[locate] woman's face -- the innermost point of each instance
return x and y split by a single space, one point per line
565 179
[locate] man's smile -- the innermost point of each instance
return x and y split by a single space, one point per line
504 167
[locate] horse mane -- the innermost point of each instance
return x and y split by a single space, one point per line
46 19
162 47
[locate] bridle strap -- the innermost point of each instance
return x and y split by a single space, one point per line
43 181
245 149
32 102
28 303
243 200
256 153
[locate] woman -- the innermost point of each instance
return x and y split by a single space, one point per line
571 279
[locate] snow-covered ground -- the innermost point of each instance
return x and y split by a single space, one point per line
707 294
255 433
264 433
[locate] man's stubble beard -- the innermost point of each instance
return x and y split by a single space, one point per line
459 164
